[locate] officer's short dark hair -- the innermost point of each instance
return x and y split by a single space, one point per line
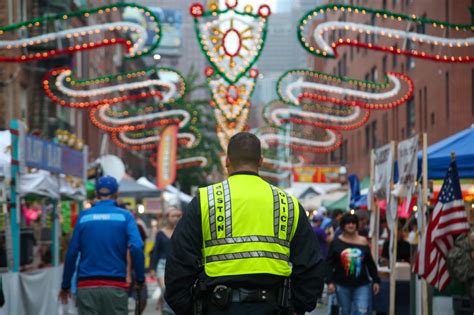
244 149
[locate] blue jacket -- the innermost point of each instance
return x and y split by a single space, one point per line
102 235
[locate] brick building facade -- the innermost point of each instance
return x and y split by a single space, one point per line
443 101
22 96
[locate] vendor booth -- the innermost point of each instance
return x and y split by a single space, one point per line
46 192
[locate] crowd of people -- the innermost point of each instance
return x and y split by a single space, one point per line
352 279
243 246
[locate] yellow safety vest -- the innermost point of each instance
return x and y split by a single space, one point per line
247 227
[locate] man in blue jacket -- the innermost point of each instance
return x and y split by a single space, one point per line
102 236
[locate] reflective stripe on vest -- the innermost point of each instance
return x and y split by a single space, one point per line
255 248
253 254
219 210
283 213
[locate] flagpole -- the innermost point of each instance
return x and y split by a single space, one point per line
393 255
375 215
424 285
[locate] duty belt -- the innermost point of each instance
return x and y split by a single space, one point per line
223 295
255 295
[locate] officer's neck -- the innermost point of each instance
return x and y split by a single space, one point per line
231 170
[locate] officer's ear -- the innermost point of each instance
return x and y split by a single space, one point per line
227 162
260 161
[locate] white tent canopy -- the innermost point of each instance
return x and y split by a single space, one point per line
43 183
170 193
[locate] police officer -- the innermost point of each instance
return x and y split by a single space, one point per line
101 238
243 246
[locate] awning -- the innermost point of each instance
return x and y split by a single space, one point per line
318 201
341 203
439 155
131 188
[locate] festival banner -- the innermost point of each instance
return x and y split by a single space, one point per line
383 172
315 174
407 168
166 157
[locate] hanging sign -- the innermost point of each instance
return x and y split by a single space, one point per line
407 168
52 157
383 172
166 155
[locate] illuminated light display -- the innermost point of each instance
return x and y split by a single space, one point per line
297 116
283 165
384 32
231 99
231 40
147 139
168 96
297 84
62 89
102 118
133 35
194 161
331 141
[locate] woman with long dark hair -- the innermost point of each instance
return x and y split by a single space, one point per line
352 272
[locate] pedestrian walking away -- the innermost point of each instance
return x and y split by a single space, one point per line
352 272
102 236
160 252
243 246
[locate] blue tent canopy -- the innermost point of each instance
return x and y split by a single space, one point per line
439 155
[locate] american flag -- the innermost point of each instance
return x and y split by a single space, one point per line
447 220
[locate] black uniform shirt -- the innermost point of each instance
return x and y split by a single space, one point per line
183 264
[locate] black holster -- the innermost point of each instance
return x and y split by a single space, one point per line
199 291
284 297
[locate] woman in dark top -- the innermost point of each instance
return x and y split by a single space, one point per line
350 264
160 252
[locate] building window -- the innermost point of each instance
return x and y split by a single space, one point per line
420 110
395 123
403 133
433 119
410 48
411 117
446 10
447 94
425 103
344 64
367 138
343 153
373 74
374 134
394 57
384 4
420 27
358 41
384 65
